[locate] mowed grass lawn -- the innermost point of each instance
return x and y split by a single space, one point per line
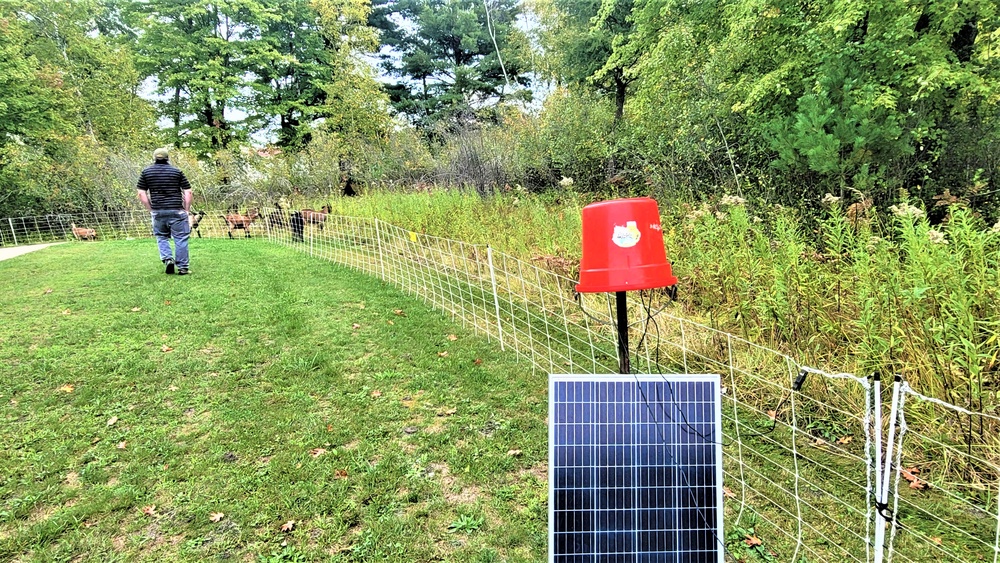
268 407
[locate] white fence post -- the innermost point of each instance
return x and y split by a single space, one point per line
496 299
879 518
882 489
12 233
378 242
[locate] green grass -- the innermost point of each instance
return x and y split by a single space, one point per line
124 388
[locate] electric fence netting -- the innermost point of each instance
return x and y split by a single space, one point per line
818 466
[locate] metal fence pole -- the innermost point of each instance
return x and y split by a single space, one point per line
12 233
496 299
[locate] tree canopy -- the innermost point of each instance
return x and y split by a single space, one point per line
452 58
786 100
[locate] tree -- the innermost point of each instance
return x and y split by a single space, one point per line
846 94
67 94
197 50
454 58
289 66
587 43
230 70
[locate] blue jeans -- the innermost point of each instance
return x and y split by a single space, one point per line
172 223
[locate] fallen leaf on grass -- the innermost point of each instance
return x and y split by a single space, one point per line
355 326
910 474
728 493
66 312
167 302
752 541
443 354
166 349
399 312
452 337
477 361
121 445
820 443
215 516
136 309
340 474
329 428
843 441
392 323
772 415
288 526
513 453
68 388
936 540
316 452
48 291
112 420
447 412
149 510
173 388
376 393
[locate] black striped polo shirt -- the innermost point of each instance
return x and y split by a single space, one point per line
164 182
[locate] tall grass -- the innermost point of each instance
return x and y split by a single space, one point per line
858 292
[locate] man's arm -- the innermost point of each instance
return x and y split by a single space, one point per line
144 198
187 196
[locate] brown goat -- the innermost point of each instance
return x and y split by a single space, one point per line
310 217
83 233
237 221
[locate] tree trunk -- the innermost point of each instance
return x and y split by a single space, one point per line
620 86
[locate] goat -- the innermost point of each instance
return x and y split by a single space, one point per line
237 221
349 190
83 233
297 226
194 219
277 220
311 217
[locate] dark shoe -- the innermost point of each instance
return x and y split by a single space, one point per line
183 272
170 265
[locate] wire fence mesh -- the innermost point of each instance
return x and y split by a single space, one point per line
817 465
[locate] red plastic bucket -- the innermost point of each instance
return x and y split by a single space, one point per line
623 247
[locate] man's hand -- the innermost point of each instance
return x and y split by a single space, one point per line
144 198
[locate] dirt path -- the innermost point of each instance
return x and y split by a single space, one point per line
12 251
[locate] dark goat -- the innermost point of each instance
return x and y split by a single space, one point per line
276 220
237 221
349 190
194 219
298 226
311 217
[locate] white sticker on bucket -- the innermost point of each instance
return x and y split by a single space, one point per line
627 236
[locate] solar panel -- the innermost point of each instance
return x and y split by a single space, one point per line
635 469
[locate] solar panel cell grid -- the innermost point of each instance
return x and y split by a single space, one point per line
635 473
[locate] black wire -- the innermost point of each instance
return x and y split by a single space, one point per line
774 421
650 318
674 463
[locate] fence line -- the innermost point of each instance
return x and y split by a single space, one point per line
807 475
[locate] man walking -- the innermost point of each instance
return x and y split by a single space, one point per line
165 192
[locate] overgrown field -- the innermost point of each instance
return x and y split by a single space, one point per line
268 407
846 289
